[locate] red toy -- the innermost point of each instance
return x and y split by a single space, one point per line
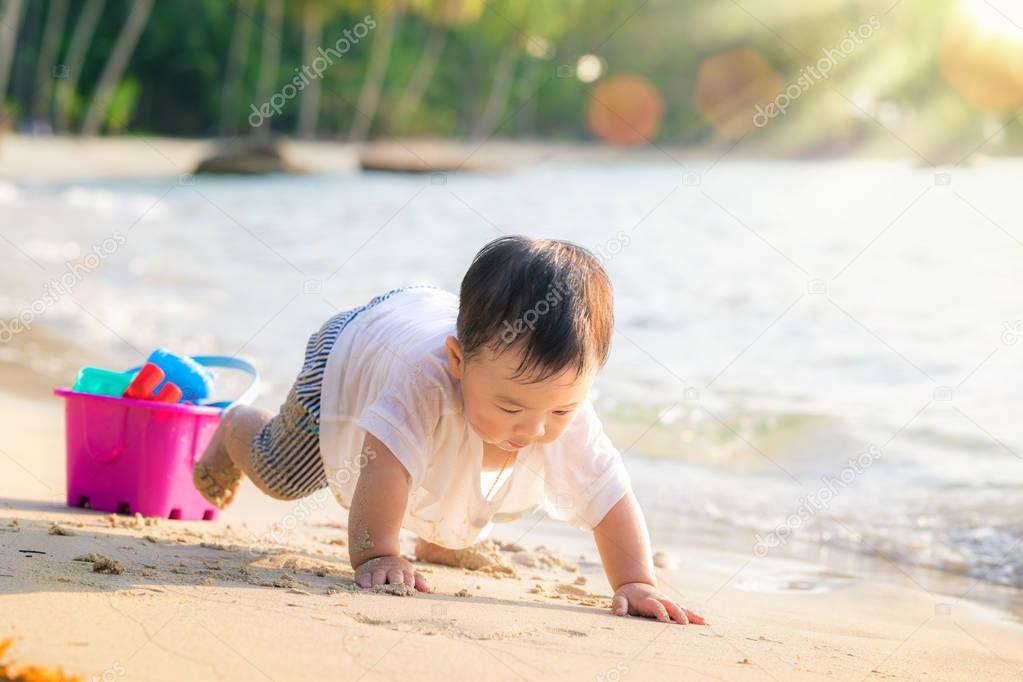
146 381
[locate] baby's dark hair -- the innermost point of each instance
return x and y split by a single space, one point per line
552 299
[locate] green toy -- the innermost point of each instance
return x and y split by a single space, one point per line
102 381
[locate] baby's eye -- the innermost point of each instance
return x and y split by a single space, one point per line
561 413
505 409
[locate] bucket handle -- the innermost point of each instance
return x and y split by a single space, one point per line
228 362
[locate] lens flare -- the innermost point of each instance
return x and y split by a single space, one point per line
589 68
729 89
625 110
982 57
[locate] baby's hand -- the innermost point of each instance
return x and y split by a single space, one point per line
640 599
393 570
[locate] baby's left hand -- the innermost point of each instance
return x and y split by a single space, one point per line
640 599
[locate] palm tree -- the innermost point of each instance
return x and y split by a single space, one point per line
237 56
73 60
500 88
113 72
440 15
48 58
314 14
269 58
514 23
9 21
372 83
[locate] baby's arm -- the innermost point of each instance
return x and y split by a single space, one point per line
625 550
374 520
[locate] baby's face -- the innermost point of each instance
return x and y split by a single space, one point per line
508 413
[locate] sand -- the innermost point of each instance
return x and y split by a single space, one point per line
267 592
34 159
30 159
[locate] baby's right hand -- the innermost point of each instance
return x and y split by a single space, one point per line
393 570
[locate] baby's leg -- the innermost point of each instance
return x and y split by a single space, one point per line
218 473
245 423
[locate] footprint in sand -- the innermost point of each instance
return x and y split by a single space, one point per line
440 626
567 631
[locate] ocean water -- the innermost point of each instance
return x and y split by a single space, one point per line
806 352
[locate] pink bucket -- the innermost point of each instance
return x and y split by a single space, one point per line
129 456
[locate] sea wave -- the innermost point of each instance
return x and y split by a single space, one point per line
732 437
875 511
109 203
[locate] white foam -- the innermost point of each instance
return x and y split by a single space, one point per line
109 203
52 250
9 193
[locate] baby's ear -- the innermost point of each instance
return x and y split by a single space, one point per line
456 358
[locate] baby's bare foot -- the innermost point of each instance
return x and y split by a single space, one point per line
215 475
218 485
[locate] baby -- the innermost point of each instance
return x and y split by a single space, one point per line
443 415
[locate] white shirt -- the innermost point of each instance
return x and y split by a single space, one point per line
387 374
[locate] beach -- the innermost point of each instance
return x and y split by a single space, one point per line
266 592
38 159
881 583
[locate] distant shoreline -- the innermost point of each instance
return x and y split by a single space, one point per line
26 158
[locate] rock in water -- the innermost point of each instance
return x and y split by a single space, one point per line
247 157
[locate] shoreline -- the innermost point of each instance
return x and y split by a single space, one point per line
266 590
718 544
27 158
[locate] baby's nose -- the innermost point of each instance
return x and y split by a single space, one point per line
532 431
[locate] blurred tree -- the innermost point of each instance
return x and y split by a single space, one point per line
122 106
314 13
81 37
234 74
269 58
116 64
45 75
439 15
9 22
512 24
476 67
376 70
